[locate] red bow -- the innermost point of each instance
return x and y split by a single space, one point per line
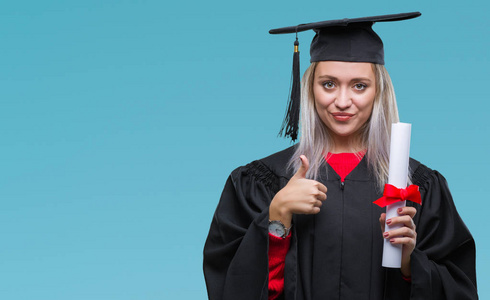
392 194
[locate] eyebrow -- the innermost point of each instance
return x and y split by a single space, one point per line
335 78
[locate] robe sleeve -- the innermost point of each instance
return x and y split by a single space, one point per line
278 249
236 250
443 262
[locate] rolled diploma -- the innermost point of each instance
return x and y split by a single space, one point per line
398 174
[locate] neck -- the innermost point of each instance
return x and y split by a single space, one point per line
347 144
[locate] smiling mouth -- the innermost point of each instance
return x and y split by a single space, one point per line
342 116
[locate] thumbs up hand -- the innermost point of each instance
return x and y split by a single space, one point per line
299 196
305 165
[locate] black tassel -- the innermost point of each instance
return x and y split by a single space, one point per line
291 120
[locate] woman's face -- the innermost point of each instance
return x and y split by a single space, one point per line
344 96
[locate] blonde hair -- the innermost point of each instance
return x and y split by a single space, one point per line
315 139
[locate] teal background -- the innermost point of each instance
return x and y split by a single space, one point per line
121 120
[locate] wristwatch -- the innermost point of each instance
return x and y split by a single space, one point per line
276 228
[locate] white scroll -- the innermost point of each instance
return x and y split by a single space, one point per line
398 175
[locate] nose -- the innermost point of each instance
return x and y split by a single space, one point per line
343 99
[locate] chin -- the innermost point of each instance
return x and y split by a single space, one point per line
350 132
342 133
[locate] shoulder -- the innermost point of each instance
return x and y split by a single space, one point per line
420 173
278 162
270 170
425 177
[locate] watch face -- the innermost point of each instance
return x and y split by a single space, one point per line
276 229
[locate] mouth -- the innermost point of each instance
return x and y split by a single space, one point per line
340 116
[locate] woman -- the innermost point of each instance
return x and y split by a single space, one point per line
300 224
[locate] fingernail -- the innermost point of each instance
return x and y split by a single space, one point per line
400 210
392 240
388 221
386 234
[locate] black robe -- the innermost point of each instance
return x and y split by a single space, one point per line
335 254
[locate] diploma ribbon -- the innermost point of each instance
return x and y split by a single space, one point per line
392 194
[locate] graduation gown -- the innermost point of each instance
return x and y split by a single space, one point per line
335 254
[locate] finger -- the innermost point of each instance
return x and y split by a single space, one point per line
382 220
407 210
404 241
321 196
310 209
314 210
301 173
315 203
400 232
403 220
321 187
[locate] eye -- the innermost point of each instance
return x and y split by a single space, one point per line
360 86
329 85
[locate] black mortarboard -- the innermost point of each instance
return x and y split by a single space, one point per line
350 40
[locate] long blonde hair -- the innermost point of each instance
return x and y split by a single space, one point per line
315 139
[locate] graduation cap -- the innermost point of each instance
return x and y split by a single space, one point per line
350 40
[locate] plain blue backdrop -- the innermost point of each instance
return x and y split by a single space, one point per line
121 120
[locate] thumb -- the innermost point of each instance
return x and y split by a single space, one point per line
382 220
305 165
